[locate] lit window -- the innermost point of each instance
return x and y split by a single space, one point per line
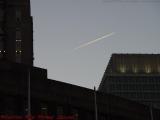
44 109
135 69
18 51
122 69
18 46
159 68
18 40
148 69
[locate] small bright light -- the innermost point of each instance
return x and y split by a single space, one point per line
18 40
43 108
18 51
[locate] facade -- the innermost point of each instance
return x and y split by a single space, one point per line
133 76
16 31
54 98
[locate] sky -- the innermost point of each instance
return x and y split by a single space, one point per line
60 26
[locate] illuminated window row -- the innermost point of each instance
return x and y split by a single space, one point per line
18 51
147 69
2 51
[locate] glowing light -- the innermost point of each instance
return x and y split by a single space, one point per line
148 69
94 41
18 51
18 40
135 70
122 69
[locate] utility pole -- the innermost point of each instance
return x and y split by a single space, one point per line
29 94
151 111
95 104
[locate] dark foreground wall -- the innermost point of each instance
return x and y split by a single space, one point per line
50 97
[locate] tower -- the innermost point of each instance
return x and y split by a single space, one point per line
16 31
133 76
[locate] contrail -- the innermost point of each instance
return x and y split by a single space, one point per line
93 41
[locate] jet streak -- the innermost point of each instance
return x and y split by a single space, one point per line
94 41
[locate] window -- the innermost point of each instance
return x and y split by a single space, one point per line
18 46
44 109
134 68
18 34
59 110
18 15
159 68
147 69
1 48
1 14
122 68
74 111
1 30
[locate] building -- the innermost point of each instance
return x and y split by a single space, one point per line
133 76
53 98
16 31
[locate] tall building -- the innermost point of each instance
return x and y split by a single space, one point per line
53 98
133 76
16 31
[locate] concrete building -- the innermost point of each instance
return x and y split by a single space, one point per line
16 31
133 76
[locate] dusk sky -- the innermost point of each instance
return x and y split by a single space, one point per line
60 26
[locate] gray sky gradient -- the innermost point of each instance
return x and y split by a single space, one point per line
62 25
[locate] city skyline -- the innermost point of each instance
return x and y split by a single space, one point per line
60 26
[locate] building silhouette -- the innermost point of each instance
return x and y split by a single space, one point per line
54 98
133 76
16 31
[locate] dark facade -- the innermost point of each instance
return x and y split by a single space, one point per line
16 31
133 76
50 97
